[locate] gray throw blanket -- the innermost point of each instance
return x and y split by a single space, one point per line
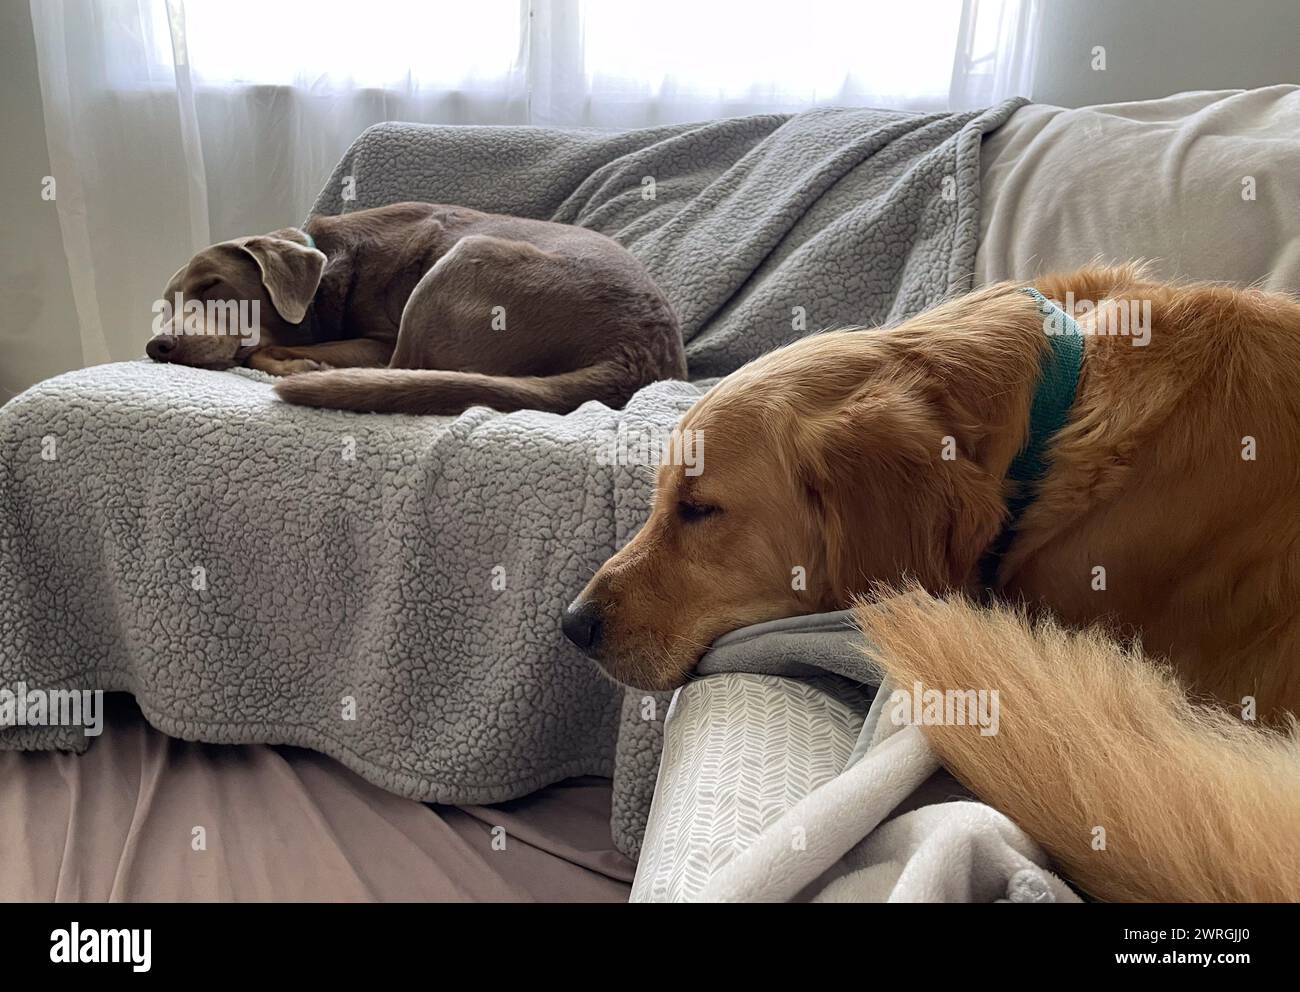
387 590
787 775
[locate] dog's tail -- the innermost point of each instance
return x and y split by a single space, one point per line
430 391
1137 793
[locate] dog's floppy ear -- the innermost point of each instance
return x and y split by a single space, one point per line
893 506
290 272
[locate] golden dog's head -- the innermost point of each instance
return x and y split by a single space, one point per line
845 460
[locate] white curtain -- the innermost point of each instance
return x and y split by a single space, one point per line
172 124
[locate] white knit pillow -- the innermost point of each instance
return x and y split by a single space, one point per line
739 750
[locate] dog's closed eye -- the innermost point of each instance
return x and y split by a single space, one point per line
695 511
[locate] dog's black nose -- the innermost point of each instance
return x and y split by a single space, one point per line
160 347
582 625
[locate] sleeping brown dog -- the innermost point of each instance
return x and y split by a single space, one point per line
426 308
858 460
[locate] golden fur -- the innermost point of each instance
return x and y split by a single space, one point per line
825 459
1137 793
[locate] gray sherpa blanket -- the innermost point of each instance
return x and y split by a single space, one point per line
387 589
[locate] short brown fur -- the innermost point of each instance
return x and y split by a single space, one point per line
429 308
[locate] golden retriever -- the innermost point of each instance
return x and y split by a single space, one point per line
859 460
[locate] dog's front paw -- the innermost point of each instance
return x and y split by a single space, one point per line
285 366
292 366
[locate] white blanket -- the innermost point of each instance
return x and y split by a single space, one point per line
1202 185
775 789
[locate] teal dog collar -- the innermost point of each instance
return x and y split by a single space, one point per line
1058 381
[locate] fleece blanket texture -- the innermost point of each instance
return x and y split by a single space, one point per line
387 590
785 778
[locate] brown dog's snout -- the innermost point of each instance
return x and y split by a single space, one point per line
160 348
583 624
